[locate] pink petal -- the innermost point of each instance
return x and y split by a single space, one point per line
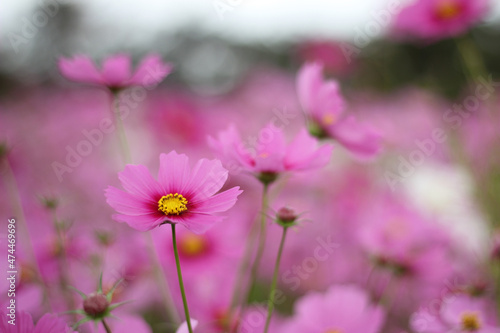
330 103
361 140
302 153
151 71
219 202
207 178
81 69
231 150
50 323
137 180
126 203
270 150
196 222
141 222
174 172
116 70
309 81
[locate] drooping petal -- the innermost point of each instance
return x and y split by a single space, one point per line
150 71
137 180
116 70
142 222
219 202
303 153
174 173
207 178
80 69
196 222
361 140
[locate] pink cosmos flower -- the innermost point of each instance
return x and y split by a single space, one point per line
324 104
269 154
439 18
115 72
49 323
457 313
341 309
182 195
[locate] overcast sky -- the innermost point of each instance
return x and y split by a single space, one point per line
240 20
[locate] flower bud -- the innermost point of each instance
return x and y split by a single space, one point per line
286 216
96 305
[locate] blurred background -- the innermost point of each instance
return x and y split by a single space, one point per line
215 43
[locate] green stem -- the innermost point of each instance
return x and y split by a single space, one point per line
472 60
122 137
270 307
161 279
153 256
106 327
181 283
245 263
262 242
20 217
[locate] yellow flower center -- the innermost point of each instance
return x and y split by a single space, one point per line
333 331
172 204
470 322
328 118
192 245
448 9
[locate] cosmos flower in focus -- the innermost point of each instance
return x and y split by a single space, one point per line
49 323
434 19
341 309
271 154
116 71
324 105
182 194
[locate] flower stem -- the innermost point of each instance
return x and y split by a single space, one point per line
106 327
270 306
181 283
153 256
472 60
262 242
161 279
122 137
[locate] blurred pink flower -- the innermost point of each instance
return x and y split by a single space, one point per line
457 313
49 323
341 309
324 104
332 55
181 194
436 19
269 153
116 71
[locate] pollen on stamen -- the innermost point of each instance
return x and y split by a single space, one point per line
470 322
328 119
172 204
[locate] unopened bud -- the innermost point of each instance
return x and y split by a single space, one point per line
96 305
286 216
